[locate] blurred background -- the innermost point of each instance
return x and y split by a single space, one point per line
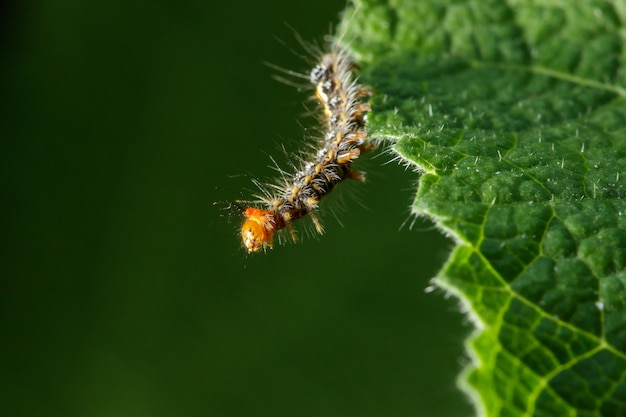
125 291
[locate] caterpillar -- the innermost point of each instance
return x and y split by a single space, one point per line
343 139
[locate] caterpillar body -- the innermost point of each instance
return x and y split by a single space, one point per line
344 114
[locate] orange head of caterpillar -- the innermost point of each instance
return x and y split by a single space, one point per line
258 229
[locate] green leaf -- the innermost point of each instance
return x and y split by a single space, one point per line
514 112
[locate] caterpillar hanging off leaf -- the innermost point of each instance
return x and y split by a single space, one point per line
343 139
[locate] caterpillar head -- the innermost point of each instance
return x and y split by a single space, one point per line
258 229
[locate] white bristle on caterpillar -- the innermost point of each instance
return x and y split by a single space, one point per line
344 139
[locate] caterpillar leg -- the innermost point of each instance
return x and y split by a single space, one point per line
316 222
292 232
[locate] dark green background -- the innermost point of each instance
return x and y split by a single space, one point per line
124 290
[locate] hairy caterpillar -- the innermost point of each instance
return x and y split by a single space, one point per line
344 138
